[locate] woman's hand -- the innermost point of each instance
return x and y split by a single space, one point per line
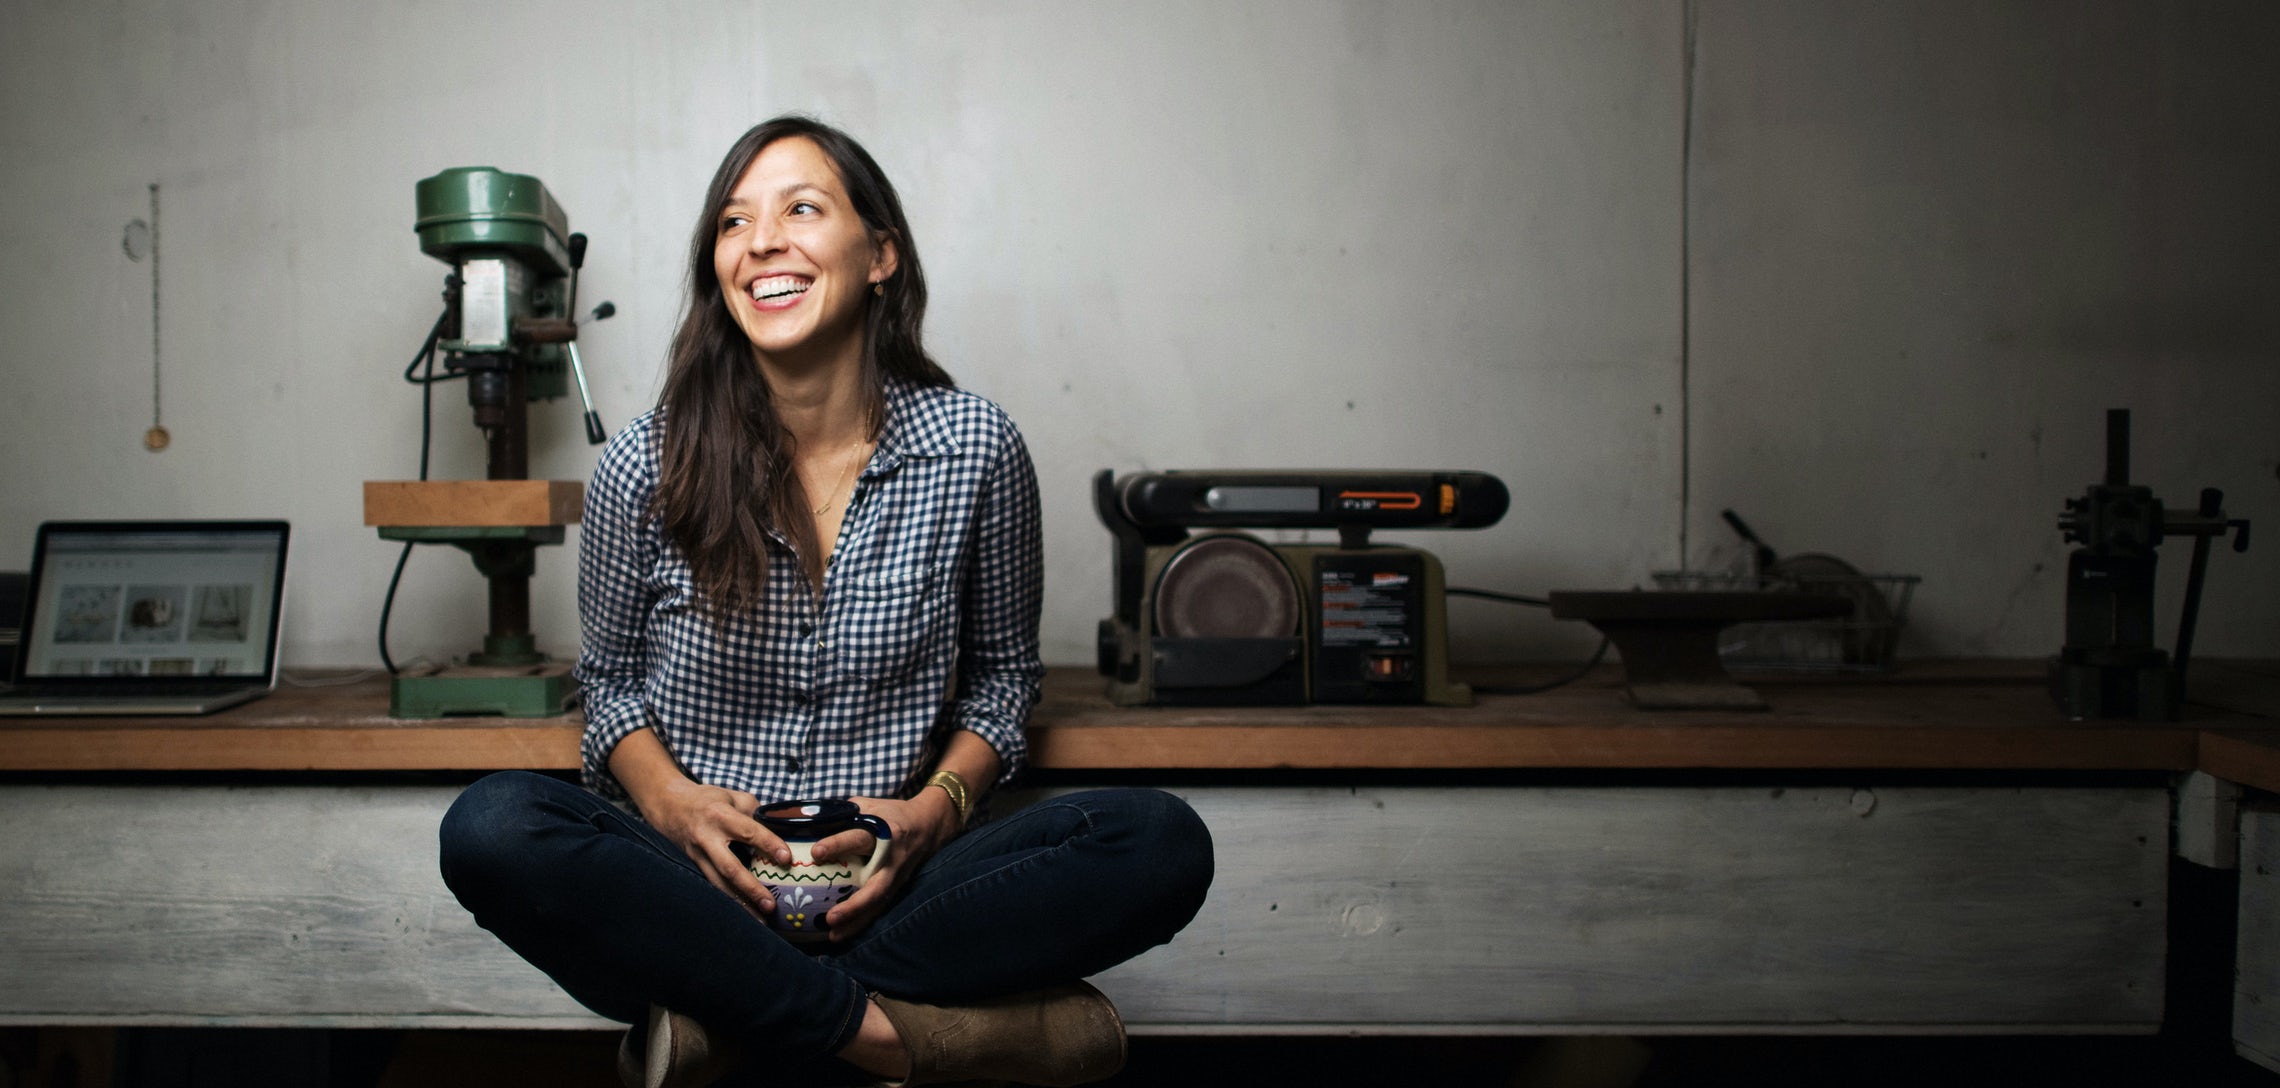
920 827
702 820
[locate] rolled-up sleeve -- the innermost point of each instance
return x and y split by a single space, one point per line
999 666
616 552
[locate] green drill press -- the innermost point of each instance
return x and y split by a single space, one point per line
508 331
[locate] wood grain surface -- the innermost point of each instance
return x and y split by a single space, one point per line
1960 716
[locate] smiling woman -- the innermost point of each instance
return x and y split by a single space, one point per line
795 261
821 300
810 577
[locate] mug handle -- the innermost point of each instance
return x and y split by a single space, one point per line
879 830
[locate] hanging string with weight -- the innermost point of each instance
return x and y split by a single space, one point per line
156 438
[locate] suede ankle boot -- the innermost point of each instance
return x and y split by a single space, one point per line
1061 1036
672 1051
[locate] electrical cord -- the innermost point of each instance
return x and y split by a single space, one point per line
388 605
325 678
1492 595
1580 671
426 382
426 355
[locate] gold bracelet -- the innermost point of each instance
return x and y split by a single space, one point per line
954 784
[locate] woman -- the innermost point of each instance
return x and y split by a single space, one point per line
813 571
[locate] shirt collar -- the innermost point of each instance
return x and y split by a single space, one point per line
910 429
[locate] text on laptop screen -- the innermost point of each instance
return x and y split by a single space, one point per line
157 603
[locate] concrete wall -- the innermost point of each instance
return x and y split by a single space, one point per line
1933 242
1868 273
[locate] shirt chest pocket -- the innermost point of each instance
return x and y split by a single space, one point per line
887 623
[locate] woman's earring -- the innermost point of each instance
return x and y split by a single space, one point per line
879 289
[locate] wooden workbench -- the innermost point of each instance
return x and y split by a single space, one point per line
1931 851
1933 716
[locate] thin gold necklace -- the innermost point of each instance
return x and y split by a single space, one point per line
844 472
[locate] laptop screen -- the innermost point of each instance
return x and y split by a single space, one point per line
154 599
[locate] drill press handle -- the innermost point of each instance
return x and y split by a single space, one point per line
595 436
2204 523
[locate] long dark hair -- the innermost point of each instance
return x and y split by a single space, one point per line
725 474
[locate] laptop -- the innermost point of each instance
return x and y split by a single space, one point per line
149 617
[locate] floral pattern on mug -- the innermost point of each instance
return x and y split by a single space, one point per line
793 907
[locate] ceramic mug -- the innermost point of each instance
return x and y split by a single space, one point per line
806 888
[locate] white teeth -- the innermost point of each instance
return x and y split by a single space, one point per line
778 287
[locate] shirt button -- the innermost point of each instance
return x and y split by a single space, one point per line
807 629
792 764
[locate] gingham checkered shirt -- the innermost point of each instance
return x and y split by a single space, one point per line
927 621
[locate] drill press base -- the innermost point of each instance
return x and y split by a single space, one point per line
500 524
443 691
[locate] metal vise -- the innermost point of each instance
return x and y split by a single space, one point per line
2109 667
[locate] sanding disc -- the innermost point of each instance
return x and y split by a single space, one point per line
1226 586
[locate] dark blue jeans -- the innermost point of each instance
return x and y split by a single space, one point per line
621 919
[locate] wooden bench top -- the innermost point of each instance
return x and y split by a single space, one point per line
1929 716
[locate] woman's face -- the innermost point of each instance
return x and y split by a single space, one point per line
794 260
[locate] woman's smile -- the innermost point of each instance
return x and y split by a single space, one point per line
778 292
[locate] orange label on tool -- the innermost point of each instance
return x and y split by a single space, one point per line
1381 500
